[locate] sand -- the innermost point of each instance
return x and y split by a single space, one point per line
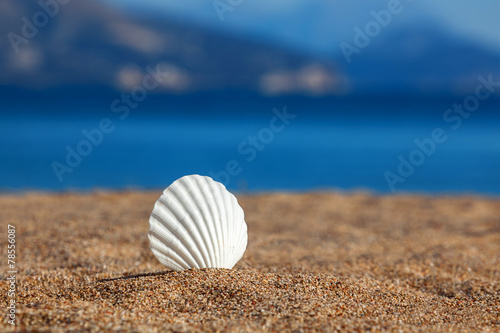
314 262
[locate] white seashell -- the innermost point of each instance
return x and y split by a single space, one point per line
197 223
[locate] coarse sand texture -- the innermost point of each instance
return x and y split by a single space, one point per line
314 262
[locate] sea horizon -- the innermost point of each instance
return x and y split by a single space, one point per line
324 144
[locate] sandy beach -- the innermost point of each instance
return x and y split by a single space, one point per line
314 262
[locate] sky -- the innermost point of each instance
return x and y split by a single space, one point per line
477 20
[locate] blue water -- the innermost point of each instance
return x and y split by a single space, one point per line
326 146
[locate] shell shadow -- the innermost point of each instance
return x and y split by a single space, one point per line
128 277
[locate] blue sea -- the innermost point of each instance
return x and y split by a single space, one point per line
252 146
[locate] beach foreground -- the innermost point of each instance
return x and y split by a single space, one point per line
322 261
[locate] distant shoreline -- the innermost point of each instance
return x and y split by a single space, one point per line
95 94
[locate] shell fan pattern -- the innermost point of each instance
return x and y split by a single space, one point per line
197 223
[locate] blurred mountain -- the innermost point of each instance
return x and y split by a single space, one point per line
89 43
414 53
421 59
292 49
426 48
